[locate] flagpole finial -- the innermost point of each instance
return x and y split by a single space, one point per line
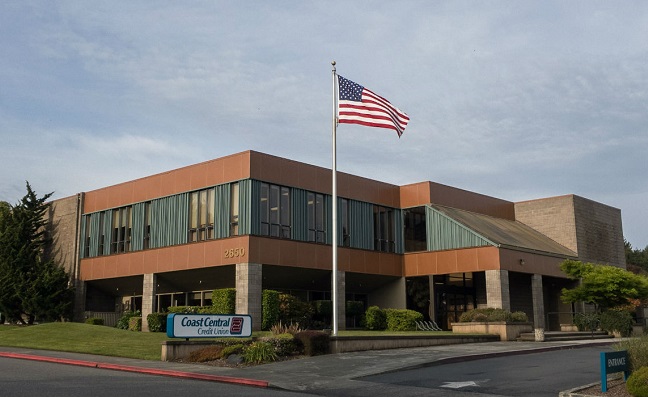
333 63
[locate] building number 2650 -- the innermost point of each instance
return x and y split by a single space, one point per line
234 252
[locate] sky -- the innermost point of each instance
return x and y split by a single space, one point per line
514 99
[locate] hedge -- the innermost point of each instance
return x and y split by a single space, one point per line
224 301
270 309
157 322
375 319
402 319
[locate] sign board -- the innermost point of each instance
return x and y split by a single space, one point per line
612 362
209 325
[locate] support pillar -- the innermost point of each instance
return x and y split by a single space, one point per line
341 303
497 289
149 291
538 307
249 286
432 306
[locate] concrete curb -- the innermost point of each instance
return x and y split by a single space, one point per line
142 370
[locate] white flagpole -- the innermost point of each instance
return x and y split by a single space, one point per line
334 283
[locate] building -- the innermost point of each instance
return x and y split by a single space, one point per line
255 221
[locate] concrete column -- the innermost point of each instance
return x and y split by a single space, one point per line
538 307
249 285
79 300
341 304
497 289
432 306
149 290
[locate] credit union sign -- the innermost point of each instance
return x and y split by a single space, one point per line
209 325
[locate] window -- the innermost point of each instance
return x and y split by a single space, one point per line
275 211
101 233
86 248
121 235
316 221
147 225
201 215
343 215
415 229
384 229
234 209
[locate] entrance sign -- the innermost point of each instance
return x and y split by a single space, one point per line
209 325
612 362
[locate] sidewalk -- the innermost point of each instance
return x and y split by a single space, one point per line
334 371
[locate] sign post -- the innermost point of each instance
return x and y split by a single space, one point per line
612 362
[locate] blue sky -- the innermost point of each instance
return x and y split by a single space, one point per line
517 100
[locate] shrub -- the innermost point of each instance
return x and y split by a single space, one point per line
270 309
123 321
209 353
315 342
323 310
94 321
587 321
637 383
402 320
637 351
284 344
519 317
135 323
191 309
354 308
224 301
617 321
157 322
491 314
232 349
259 352
279 329
375 319
294 310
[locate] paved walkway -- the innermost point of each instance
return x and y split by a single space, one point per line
334 371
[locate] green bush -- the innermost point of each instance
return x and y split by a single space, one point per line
135 323
587 321
354 308
323 309
124 320
94 321
491 314
402 319
375 319
637 383
224 301
637 351
259 352
294 310
617 321
191 309
314 342
270 309
157 322
232 349
284 344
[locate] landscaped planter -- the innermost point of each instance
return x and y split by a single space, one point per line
506 331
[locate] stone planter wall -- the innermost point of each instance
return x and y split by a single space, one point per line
506 331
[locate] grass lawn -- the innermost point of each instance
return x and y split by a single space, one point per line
109 341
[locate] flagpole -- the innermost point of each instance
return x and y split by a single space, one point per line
334 281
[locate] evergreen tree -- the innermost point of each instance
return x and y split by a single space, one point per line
31 285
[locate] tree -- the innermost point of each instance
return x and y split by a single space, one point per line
31 285
636 257
604 286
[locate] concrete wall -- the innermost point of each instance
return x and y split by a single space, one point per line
390 296
63 219
593 230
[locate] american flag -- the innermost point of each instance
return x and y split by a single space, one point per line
358 105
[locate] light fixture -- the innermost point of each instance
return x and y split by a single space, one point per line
522 262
